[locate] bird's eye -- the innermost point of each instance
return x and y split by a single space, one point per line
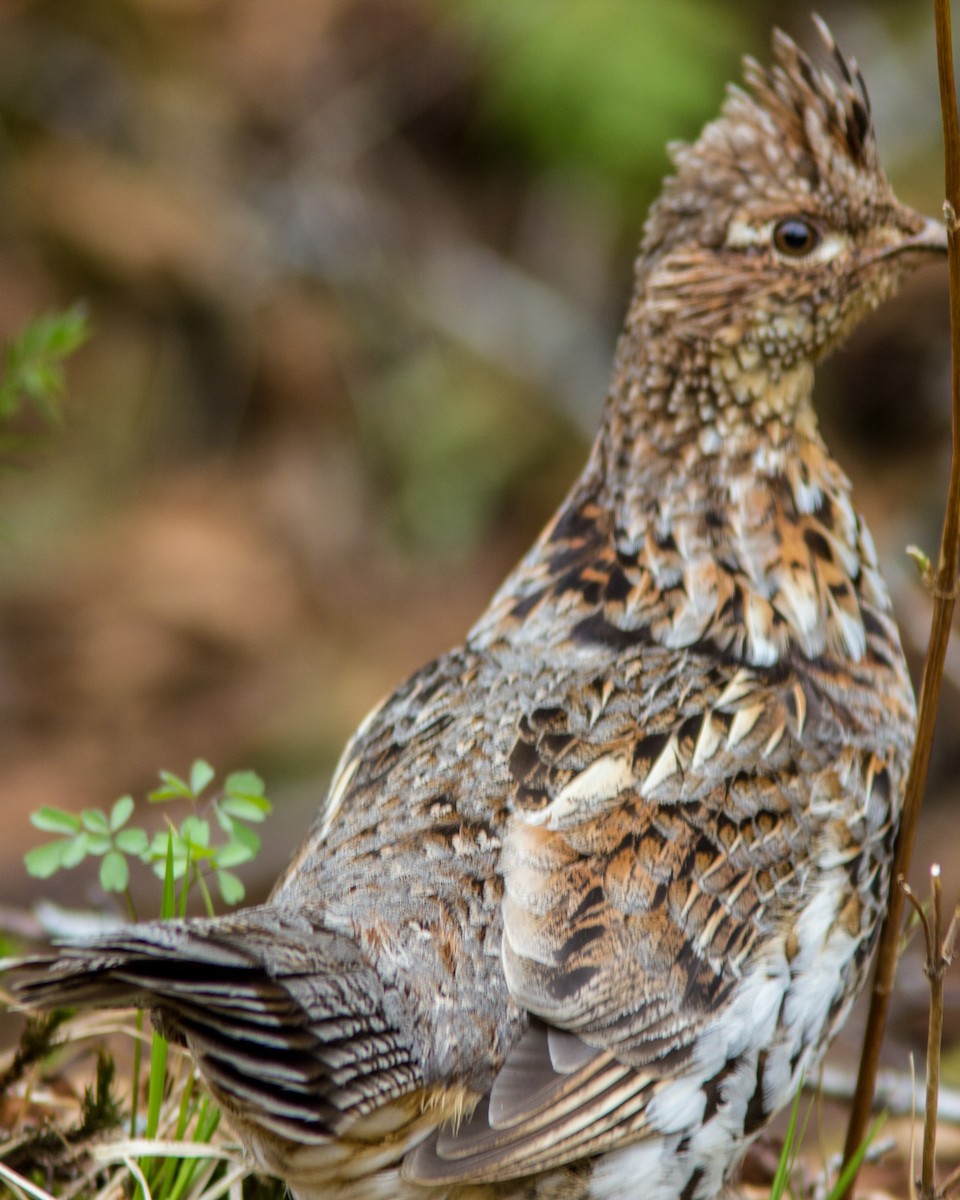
795 237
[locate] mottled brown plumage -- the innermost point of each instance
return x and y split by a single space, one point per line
590 893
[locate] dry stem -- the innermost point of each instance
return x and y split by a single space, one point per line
951 1183
944 599
938 954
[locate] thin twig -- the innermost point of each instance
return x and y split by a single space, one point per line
935 970
934 967
912 1177
950 938
951 1182
944 600
928 934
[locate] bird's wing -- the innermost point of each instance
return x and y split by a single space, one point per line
638 882
555 1100
642 871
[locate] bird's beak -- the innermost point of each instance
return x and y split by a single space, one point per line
932 237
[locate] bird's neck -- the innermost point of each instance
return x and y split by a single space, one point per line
722 489
693 425
710 515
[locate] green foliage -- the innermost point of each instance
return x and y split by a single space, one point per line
187 852
788 1154
37 1042
100 1109
184 854
90 833
846 1176
605 83
782 1185
33 364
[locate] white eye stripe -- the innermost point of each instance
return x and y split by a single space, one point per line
741 235
829 248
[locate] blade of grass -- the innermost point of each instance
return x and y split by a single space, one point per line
186 1108
168 902
232 1177
191 1172
143 1188
158 1045
208 1118
787 1154
184 1112
24 1187
803 1129
137 1064
155 1089
851 1168
205 892
111 1152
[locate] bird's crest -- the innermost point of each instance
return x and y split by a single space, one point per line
795 93
797 133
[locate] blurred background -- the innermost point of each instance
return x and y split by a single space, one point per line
354 270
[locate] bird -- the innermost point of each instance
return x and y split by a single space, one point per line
590 894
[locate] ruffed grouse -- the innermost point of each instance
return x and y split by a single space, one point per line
590 893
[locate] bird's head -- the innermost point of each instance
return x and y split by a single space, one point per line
779 229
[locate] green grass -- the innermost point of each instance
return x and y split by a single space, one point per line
175 1150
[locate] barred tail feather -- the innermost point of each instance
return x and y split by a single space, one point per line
284 1017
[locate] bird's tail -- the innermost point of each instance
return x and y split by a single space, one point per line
284 1017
